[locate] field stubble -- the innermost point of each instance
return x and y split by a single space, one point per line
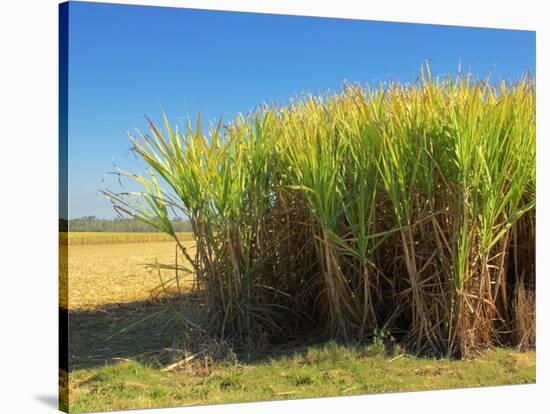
115 298
110 273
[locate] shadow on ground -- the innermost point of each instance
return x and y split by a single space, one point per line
141 330
146 331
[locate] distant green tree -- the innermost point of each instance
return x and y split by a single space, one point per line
117 225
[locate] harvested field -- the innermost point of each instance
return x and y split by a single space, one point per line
112 286
117 273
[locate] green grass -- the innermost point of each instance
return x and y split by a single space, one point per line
319 371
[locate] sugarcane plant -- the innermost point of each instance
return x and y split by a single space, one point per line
403 208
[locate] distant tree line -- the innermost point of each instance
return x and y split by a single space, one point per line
122 225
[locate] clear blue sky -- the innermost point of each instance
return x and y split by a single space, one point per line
129 61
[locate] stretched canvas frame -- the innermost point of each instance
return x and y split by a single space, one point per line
343 326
